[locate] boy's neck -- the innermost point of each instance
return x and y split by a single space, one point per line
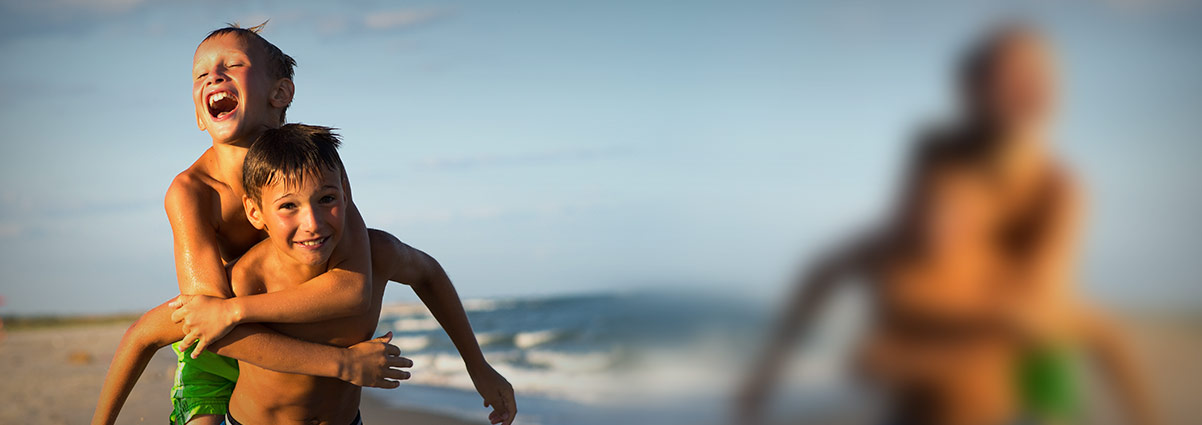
230 156
229 159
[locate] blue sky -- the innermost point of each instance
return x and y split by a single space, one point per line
549 147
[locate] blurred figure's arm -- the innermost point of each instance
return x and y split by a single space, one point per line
1110 346
811 292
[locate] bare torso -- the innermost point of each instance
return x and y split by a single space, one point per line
943 341
235 234
262 396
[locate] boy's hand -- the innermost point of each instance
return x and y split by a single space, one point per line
204 319
374 363
497 393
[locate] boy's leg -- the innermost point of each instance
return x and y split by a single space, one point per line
152 331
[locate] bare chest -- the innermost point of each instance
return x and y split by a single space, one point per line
235 234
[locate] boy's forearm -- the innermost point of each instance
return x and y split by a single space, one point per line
263 347
332 295
439 295
343 291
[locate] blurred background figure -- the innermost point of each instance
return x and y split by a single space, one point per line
974 316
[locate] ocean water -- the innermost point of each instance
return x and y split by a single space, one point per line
589 359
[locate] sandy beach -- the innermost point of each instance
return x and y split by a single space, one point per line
53 376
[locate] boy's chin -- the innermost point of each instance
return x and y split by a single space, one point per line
227 131
311 258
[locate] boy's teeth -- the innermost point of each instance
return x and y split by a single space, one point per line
216 97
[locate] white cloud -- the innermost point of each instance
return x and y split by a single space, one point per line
401 18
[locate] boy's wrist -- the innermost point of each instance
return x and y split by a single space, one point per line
476 365
237 311
343 364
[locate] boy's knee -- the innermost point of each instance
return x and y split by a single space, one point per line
151 330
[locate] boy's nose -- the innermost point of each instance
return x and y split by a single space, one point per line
308 220
216 77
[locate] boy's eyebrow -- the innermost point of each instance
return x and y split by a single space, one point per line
285 195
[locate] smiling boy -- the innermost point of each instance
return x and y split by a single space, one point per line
294 192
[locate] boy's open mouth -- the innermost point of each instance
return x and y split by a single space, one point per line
221 104
313 243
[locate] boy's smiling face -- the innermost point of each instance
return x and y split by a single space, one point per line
231 89
303 219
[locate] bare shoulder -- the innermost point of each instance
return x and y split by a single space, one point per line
190 188
385 251
383 242
385 248
246 272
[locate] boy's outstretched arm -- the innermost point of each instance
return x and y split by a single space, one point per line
430 282
811 291
370 363
343 291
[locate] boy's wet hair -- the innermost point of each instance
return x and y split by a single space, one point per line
279 64
290 154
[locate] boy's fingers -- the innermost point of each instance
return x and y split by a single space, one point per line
392 350
511 406
188 340
399 362
200 346
177 316
397 374
390 384
386 338
179 301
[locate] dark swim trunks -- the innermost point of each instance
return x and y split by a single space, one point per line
231 421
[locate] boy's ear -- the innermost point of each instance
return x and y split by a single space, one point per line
253 213
200 122
281 95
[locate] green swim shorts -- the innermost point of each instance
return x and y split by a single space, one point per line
202 385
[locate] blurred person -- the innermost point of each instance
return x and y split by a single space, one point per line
975 319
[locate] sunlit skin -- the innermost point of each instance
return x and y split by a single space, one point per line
975 268
226 67
303 220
